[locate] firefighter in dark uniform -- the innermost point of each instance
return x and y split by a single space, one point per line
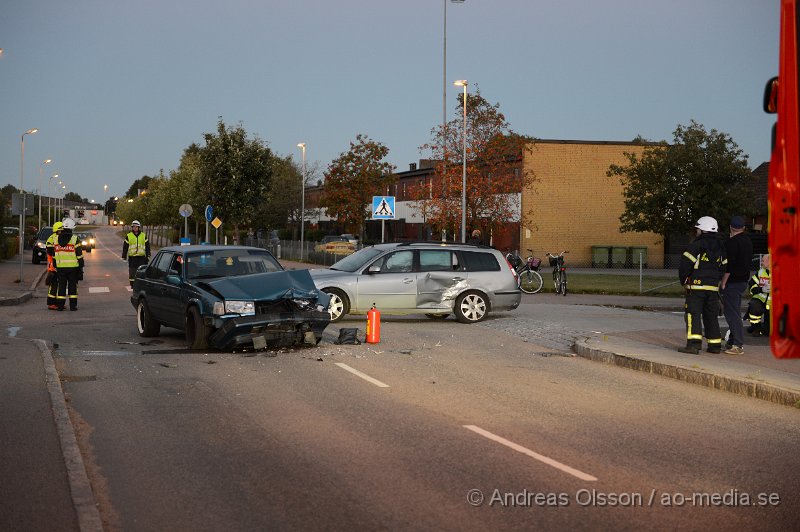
52 273
136 249
701 268
68 256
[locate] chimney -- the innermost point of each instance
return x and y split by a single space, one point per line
412 167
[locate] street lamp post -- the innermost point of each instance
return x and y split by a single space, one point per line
463 83
31 131
39 186
302 145
444 65
49 197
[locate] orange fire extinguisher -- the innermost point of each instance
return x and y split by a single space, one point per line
373 325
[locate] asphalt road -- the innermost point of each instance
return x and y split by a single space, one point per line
440 426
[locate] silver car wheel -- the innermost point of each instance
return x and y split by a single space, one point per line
338 305
471 307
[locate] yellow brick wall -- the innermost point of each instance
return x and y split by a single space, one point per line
576 206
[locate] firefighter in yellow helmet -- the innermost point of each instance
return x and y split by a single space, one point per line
136 249
52 273
68 256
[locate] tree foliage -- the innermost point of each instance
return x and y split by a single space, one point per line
234 174
143 183
670 186
353 178
494 173
74 196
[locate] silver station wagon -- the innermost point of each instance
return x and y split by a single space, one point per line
435 279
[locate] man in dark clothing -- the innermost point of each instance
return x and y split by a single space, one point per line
701 268
739 250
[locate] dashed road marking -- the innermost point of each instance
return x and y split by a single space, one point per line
98 289
519 448
364 376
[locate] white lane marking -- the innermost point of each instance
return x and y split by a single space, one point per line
362 375
544 459
98 289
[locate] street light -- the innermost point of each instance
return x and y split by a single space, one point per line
49 198
463 83
302 145
31 131
39 187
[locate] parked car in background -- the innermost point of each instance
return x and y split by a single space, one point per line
227 297
40 245
353 239
335 244
428 278
12 231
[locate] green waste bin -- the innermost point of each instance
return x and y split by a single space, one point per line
601 256
619 256
637 251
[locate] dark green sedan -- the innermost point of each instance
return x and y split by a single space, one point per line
228 296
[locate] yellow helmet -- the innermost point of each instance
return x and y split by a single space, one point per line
58 226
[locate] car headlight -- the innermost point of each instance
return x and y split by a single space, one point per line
84 243
91 241
40 245
243 308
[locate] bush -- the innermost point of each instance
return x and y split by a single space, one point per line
9 245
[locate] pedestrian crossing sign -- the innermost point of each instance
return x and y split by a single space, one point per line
383 208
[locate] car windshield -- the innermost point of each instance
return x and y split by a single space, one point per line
45 233
226 262
357 260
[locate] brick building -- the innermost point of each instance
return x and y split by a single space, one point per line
577 207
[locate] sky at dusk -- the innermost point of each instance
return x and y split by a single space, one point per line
118 89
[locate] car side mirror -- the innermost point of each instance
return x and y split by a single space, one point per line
173 279
374 269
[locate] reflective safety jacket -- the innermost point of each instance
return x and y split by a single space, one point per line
703 263
759 287
68 252
136 245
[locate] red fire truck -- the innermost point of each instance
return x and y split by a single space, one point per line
781 97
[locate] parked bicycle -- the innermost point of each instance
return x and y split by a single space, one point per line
559 272
528 276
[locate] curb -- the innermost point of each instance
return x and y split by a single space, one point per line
739 386
83 500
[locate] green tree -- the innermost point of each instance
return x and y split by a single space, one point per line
670 186
282 201
494 176
353 178
74 196
234 174
143 183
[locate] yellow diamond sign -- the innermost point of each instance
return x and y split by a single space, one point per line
216 222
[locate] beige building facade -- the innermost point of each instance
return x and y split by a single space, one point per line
577 207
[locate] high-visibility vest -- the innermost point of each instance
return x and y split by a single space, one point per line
65 255
136 244
761 279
